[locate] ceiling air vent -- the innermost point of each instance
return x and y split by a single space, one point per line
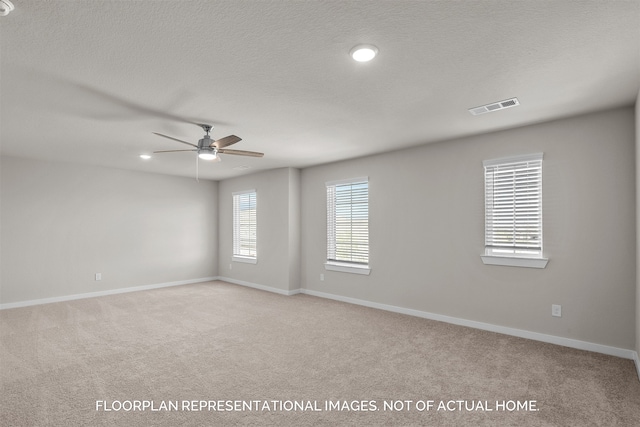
495 106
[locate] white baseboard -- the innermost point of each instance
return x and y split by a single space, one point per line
552 339
257 286
102 293
637 360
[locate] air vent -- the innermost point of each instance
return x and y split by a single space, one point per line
495 106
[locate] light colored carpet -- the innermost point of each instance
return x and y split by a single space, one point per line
217 341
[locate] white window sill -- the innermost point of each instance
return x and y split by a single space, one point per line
347 268
515 261
247 260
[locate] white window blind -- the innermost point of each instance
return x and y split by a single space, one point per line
244 224
348 221
513 205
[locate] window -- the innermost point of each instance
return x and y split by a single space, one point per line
244 226
513 211
348 226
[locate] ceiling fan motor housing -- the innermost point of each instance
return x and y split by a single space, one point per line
205 142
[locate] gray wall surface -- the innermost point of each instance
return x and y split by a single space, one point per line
62 223
278 231
637 324
426 213
295 243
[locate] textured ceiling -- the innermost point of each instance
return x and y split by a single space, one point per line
89 81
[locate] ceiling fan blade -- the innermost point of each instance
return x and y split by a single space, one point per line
171 151
138 108
242 153
226 141
175 139
80 99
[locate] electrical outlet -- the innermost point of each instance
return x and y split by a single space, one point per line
230 266
556 310
322 277
98 276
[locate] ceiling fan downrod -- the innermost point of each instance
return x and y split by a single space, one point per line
206 128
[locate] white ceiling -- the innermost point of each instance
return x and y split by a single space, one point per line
86 81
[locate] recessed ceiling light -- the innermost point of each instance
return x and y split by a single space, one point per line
364 52
145 156
6 7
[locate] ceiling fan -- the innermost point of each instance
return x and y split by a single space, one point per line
209 149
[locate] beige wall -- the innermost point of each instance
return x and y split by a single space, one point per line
427 233
62 223
278 235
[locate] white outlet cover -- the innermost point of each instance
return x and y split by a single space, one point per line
556 310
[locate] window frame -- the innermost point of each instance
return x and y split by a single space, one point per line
514 255
236 225
341 265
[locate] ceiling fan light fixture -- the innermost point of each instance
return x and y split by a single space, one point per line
207 155
145 156
364 52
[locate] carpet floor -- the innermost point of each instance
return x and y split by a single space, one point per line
220 354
